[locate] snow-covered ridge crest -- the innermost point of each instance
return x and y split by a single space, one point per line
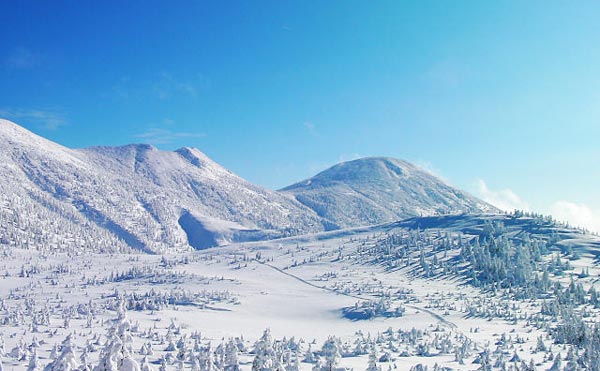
381 189
133 196
137 196
16 140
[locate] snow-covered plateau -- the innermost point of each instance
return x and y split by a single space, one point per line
131 258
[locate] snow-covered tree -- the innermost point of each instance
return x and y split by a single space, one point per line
231 357
34 364
66 360
372 365
117 352
330 353
264 353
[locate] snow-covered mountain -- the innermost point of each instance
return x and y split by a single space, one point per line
524 285
133 196
378 189
136 196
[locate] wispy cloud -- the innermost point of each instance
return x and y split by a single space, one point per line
47 119
156 135
505 199
577 214
21 58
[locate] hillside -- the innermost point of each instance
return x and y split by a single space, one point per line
138 197
457 292
377 190
134 196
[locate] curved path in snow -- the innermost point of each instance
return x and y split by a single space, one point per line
439 318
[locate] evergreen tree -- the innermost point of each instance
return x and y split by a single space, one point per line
66 360
231 357
372 365
331 353
117 352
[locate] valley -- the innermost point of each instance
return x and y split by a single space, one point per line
358 291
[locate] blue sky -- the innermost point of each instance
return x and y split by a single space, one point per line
500 98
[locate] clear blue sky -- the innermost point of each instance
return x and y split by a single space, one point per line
507 92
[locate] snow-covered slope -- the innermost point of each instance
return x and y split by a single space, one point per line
451 292
133 196
455 292
136 196
377 190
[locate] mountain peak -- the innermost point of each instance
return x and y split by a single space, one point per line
380 189
155 200
195 156
366 169
141 147
191 150
136 196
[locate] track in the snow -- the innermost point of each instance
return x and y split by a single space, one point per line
438 317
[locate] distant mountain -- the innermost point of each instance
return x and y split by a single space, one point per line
138 197
134 196
377 189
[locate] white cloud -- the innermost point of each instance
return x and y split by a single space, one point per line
504 199
164 136
48 119
577 214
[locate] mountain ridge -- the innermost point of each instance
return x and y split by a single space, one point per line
135 193
139 197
